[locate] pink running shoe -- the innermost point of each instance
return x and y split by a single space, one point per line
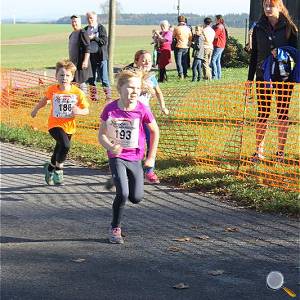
151 178
115 236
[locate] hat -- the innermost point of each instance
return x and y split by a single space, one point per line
75 16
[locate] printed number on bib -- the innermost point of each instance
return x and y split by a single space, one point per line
124 132
63 105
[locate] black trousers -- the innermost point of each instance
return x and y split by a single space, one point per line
62 147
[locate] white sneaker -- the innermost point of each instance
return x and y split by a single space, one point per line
115 236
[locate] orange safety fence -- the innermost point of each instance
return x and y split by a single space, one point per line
248 130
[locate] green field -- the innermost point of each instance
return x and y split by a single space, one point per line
39 46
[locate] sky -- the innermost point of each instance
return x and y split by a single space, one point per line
54 9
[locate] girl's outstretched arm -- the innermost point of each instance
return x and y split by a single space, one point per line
161 100
154 139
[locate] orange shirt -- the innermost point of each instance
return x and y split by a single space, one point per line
62 103
183 35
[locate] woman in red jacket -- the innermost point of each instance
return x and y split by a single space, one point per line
219 46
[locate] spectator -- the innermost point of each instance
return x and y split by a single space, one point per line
189 54
219 46
183 36
209 35
79 53
155 44
198 52
164 50
99 56
274 31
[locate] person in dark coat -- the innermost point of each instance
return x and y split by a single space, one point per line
99 55
198 52
274 29
79 53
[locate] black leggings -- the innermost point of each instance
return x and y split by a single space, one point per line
283 93
129 181
63 144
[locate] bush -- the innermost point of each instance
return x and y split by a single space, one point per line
234 54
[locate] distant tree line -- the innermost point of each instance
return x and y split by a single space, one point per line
232 20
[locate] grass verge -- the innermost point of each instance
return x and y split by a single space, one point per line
245 193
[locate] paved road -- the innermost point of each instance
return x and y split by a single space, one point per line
54 241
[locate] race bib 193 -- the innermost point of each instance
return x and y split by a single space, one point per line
63 105
124 132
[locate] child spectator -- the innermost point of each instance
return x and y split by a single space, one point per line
198 52
122 134
155 43
67 101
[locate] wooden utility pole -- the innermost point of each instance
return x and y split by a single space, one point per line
178 8
111 39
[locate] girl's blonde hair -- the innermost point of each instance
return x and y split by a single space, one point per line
66 64
124 76
291 26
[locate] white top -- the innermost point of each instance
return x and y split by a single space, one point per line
209 35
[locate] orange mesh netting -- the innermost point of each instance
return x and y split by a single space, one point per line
213 124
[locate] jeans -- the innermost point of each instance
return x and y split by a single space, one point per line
181 60
216 63
100 72
197 68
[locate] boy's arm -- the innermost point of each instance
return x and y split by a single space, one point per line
38 106
104 141
154 138
161 100
82 106
80 111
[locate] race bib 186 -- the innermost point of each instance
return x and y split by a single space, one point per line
124 132
63 105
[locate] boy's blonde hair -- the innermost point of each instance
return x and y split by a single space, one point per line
126 74
66 64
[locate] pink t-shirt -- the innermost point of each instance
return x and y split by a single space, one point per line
126 128
167 35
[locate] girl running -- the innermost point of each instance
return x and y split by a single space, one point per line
122 134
